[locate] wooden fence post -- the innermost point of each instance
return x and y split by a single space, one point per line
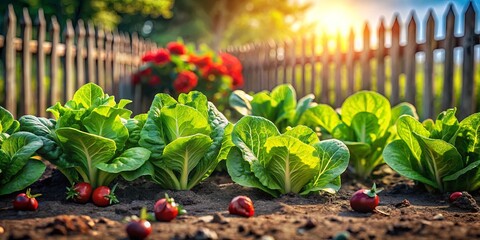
101 58
91 53
381 58
365 59
80 31
448 87
467 100
69 81
350 63
325 93
428 96
338 72
54 91
10 61
41 91
108 62
313 65
26 106
410 62
395 61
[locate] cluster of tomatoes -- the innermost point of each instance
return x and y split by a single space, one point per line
166 209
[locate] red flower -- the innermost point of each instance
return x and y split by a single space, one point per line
185 82
234 68
137 77
154 80
200 61
162 56
212 70
148 57
176 48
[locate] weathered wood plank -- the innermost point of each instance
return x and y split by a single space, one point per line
350 64
448 86
467 100
101 58
54 90
80 60
325 92
395 61
380 56
26 91
41 25
108 62
313 82
10 61
68 76
428 95
338 75
410 62
91 53
365 59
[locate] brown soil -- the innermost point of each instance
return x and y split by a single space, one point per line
405 212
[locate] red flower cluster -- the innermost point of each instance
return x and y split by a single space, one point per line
185 82
177 69
234 69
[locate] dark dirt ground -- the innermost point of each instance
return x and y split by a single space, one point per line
426 216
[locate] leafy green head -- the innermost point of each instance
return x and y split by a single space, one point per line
365 123
443 154
187 138
292 162
279 106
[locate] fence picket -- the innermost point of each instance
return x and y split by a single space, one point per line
325 96
80 31
350 63
313 80
91 53
303 46
467 100
10 60
101 58
381 58
26 91
395 61
41 25
365 59
410 62
338 71
54 91
108 62
428 96
69 82
448 87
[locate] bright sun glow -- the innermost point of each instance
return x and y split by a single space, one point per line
335 18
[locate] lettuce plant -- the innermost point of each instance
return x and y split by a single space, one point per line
292 162
444 155
18 169
365 123
187 138
89 140
279 106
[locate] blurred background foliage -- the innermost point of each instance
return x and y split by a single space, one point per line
217 23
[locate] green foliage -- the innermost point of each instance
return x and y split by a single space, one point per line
293 162
18 169
365 123
444 155
279 106
187 138
90 139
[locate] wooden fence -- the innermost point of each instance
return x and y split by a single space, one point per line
299 62
40 70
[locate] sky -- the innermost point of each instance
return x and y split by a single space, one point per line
332 16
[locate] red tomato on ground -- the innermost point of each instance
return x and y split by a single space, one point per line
242 206
80 192
102 196
365 200
26 201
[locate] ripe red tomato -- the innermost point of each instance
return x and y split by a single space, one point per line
139 229
102 196
365 200
454 196
26 201
80 192
242 206
165 209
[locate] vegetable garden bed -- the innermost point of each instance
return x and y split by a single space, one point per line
295 174
429 216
